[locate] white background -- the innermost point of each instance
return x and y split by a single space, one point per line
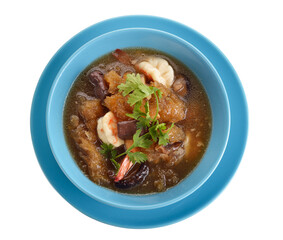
250 34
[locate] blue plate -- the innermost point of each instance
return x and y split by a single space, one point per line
160 216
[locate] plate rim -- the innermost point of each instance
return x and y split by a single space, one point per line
141 18
140 206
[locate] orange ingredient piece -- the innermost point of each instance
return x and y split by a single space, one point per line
119 106
176 134
113 79
97 168
171 108
90 111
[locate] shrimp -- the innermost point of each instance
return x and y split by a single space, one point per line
122 57
157 69
107 130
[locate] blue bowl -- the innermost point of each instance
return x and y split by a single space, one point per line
149 38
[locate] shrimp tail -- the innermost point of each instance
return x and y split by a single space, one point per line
125 166
122 57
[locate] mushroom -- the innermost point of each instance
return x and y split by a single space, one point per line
96 78
133 179
181 85
126 129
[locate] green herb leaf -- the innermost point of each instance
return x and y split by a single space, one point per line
146 107
110 153
107 150
141 141
116 165
137 111
135 97
164 136
159 93
147 90
135 88
153 133
137 157
155 130
143 123
158 134
143 118
132 83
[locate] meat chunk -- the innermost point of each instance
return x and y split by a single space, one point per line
181 85
90 111
97 168
171 108
171 155
119 106
114 80
176 134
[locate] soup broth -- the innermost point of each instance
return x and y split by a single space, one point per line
97 96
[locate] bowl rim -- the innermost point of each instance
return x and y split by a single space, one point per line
145 206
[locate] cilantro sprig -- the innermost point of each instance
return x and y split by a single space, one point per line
159 134
141 141
137 93
109 152
143 118
136 89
